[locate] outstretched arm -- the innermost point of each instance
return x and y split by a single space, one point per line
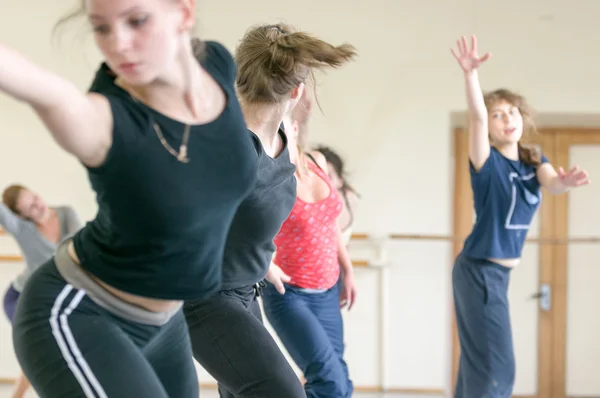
561 181
81 124
469 61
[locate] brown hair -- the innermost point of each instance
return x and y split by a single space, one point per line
273 59
528 154
10 197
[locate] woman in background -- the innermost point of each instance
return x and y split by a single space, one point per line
305 311
335 164
506 178
38 229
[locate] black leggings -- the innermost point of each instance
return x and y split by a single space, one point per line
71 347
230 341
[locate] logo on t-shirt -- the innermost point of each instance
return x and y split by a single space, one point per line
523 203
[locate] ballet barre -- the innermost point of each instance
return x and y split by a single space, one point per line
10 258
449 238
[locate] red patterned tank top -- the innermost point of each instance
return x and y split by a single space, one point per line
307 244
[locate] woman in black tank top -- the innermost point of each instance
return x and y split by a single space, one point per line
164 141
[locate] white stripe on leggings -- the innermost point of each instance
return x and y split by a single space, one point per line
64 327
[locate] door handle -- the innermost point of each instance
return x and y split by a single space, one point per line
544 296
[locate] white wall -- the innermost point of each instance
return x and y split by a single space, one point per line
388 113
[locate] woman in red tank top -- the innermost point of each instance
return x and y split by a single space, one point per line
303 299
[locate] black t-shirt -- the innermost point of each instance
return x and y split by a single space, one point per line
250 246
162 224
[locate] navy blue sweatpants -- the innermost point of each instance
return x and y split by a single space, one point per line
487 363
310 327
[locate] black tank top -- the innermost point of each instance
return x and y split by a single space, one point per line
161 225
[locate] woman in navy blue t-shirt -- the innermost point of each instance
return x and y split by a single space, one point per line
506 178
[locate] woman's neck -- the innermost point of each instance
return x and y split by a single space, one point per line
509 151
168 97
179 92
264 121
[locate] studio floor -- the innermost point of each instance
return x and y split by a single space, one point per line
5 391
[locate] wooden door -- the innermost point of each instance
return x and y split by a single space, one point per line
576 323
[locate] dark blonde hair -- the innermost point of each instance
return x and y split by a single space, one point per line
273 59
528 154
10 197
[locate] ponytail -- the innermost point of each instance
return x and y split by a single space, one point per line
291 50
273 59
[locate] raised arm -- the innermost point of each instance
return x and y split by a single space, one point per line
469 61
9 220
81 124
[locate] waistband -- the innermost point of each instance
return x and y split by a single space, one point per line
78 278
482 262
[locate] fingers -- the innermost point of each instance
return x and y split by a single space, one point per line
581 178
575 177
343 298
348 297
485 57
463 45
351 298
455 54
279 286
474 44
285 277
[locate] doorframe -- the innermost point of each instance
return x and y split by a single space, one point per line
564 138
553 222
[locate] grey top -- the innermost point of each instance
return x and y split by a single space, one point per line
249 246
36 248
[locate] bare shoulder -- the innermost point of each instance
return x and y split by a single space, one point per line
320 159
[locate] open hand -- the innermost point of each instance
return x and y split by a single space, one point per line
468 59
574 177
